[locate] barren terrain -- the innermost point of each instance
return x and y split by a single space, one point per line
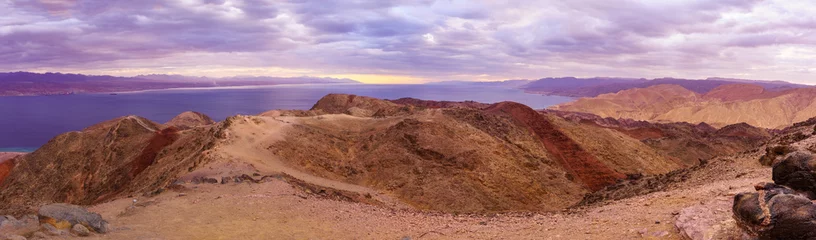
724 105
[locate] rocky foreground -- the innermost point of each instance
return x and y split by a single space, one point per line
357 167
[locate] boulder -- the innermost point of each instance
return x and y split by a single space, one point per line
796 170
706 222
64 216
775 212
24 226
80 230
775 154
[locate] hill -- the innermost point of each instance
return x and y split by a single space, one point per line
503 157
723 105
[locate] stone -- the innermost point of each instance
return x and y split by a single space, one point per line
63 216
797 171
39 235
209 180
51 230
775 212
703 222
80 230
15 237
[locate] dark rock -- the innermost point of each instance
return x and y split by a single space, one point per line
775 153
209 180
64 216
225 180
80 230
796 171
775 212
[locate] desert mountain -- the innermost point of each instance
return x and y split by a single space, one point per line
721 106
495 157
592 87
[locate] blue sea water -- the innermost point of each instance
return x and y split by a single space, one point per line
30 121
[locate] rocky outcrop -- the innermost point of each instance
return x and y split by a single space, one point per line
66 216
775 212
783 209
706 222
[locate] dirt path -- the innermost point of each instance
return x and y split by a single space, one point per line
249 141
274 210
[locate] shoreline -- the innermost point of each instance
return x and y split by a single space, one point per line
180 88
230 87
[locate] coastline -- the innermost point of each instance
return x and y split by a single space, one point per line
229 87
178 88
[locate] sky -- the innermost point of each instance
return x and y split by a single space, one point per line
405 41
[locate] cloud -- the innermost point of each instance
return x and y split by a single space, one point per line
419 39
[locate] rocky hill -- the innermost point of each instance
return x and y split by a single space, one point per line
689 143
721 106
439 156
106 161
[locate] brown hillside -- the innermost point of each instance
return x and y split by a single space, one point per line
725 105
688 143
455 158
575 160
187 120
112 159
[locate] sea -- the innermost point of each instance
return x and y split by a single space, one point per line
27 122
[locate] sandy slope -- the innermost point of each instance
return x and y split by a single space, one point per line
249 141
274 210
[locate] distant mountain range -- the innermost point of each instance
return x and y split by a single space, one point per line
591 87
723 105
27 83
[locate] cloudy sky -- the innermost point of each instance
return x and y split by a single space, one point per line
413 41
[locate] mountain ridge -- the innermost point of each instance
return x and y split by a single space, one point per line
722 105
29 83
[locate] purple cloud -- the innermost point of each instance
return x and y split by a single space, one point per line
427 39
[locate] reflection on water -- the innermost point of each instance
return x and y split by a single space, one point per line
27 122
